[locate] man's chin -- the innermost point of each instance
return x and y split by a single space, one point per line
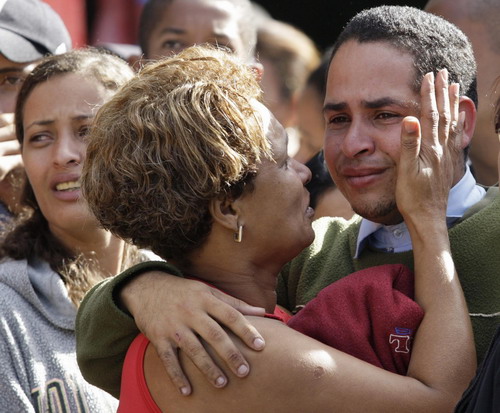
386 214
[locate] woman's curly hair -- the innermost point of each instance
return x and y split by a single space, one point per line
184 131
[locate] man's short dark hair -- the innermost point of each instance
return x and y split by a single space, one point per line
433 42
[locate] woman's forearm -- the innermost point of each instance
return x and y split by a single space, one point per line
296 373
443 354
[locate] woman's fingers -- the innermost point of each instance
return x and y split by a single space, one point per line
457 118
410 143
427 162
443 106
429 114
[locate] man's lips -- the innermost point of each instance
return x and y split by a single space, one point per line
359 178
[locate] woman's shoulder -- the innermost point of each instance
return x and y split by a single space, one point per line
31 286
16 294
13 273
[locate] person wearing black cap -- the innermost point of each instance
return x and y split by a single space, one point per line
29 30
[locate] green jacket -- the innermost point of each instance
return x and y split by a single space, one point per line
475 240
475 244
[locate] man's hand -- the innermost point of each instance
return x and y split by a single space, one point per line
10 149
172 312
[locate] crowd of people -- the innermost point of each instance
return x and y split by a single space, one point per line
237 221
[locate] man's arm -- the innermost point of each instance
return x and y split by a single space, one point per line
104 332
164 302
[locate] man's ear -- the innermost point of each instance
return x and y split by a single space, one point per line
467 106
225 213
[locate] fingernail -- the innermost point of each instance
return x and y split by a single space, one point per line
258 343
221 381
242 370
184 391
410 127
445 74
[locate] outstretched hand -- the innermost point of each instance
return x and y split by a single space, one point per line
430 150
173 313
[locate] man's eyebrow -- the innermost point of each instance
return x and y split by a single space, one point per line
374 104
173 30
334 106
389 101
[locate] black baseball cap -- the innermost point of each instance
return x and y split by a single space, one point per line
31 29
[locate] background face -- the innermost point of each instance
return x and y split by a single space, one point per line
54 148
12 76
188 22
310 123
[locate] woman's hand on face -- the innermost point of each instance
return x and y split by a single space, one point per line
172 312
430 150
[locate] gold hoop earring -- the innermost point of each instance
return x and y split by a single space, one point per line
238 236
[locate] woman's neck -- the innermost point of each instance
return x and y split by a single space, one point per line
109 255
98 244
234 271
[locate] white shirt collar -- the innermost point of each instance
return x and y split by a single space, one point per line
396 238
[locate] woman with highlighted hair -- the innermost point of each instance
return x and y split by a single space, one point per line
186 161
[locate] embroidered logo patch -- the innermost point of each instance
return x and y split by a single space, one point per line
401 340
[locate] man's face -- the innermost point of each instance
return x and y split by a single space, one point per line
188 22
12 76
368 94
